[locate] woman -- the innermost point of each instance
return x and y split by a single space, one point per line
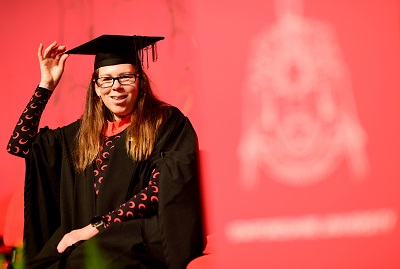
124 176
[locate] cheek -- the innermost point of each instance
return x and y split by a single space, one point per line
134 94
97 91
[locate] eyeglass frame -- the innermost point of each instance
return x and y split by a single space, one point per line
135 75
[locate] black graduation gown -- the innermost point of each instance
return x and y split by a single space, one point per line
58 200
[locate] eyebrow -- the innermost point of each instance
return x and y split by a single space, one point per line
119 74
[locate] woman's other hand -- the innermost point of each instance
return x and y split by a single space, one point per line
74 236
52 62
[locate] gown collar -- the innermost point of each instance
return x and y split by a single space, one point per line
115 127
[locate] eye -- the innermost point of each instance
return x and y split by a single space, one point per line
106 79
127 76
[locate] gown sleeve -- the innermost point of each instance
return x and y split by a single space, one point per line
25 131
141 205
180 208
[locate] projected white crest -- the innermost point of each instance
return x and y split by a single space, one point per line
306 122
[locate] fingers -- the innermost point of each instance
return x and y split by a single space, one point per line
65 242
50 49
53 51
40 51
63 58
61 248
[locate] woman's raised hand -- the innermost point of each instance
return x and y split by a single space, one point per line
52 62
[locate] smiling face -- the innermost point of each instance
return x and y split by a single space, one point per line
119 99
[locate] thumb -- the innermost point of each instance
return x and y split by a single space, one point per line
63 59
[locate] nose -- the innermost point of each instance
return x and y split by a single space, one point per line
116 83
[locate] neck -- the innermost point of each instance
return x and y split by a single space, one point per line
117 118
117 126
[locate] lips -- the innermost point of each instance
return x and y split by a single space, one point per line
118 97
119 100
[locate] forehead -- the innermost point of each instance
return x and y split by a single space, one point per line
116 69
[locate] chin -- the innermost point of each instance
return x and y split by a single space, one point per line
121 114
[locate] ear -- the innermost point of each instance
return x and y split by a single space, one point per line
98 92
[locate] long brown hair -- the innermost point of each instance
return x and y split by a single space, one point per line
141 133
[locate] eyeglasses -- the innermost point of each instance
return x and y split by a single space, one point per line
107 82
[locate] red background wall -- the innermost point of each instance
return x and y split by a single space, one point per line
205 68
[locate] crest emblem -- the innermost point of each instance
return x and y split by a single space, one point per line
305 123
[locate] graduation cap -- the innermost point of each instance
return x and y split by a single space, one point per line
120 49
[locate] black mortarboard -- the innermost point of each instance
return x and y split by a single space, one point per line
119 49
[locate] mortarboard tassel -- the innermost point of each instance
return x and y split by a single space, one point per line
147 54
154 52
